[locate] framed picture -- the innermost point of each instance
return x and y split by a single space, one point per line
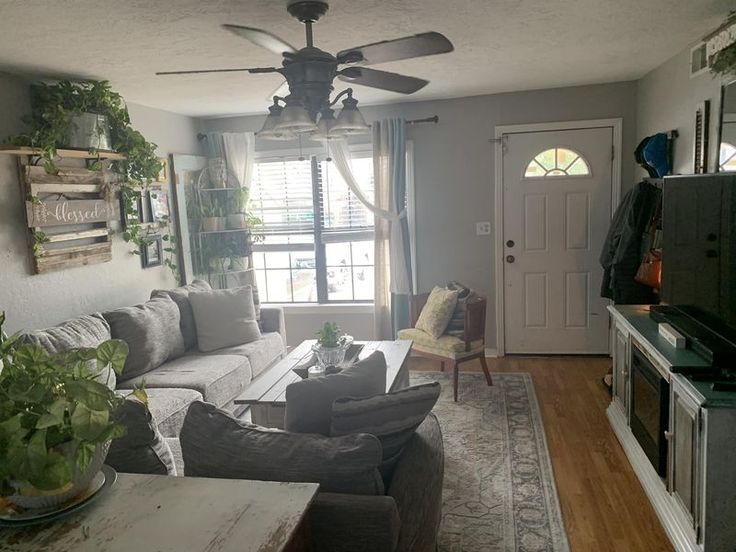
163 176
158 205
131 211
152 251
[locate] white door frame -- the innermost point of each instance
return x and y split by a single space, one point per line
615 124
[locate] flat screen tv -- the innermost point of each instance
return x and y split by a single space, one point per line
699 249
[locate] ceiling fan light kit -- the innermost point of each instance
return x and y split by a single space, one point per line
310 72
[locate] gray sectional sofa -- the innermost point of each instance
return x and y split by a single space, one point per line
217 377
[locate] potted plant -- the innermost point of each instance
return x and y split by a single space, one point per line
56 419
82 115
210 220
238 217
331 345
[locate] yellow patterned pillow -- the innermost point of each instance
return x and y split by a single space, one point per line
437 312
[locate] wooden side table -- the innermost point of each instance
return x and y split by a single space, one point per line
171 514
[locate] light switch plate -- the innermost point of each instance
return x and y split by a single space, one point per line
482 228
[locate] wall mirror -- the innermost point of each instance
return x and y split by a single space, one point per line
727 145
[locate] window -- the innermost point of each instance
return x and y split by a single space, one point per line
727 157
557 162
318 238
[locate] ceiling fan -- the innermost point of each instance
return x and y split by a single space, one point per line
310 72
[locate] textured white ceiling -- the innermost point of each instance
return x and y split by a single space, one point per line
500 45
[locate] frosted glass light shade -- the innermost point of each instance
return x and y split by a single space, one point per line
325 129
295 119
349 122
268 130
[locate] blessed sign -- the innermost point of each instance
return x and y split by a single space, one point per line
80 211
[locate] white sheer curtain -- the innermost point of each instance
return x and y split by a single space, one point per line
239 151
389 174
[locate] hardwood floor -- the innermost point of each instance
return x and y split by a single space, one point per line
603 505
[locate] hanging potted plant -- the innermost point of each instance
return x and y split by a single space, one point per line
56 419
87 115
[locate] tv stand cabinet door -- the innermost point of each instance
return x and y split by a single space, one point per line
685 438
621 363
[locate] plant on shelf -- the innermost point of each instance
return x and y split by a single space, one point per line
56 417
724 61
55 108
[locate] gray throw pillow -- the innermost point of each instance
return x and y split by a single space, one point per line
215 444
392 417
309 402
152 333
142 449
224 317
180 296
88 330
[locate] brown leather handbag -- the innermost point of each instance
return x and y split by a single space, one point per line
650 269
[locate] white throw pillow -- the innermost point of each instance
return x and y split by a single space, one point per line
437 311
224 317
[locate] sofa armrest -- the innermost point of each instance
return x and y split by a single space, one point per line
272 320
354 523
416 486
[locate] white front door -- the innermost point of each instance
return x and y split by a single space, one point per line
556 212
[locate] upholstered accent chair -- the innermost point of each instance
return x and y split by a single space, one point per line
454 348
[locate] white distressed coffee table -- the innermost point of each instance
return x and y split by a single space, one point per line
173 514
267 394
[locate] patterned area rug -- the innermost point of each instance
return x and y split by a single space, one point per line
499 493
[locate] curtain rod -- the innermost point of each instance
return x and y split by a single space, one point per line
433 119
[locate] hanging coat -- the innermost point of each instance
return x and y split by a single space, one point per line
622 250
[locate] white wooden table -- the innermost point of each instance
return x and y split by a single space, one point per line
267 394
146 513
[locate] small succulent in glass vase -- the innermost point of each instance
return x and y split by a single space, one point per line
331 345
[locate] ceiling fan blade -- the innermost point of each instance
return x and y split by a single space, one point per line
424 44
245 69
382 79
262 38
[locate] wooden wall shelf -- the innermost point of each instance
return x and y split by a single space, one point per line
63 153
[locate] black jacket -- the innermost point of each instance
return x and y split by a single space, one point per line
622 250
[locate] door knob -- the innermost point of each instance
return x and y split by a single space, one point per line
510 243
510 258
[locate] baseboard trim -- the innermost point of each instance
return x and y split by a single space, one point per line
681 538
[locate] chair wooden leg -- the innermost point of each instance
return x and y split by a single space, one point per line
454 379
484 365
442 366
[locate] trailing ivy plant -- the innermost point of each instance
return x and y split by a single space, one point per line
137 233
724 61
54 411
53 108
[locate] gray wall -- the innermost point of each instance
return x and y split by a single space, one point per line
33 301
454 168
667 99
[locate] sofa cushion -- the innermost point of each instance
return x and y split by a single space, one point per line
215 444
169 407
88 330
261 353
151 331
142 449
219 378
392 417
180 296
224 317
437 311
309 401
175 446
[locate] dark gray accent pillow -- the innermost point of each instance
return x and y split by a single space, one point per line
309 402
392 417
180 296
152 332
215 444
88 330
143 449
